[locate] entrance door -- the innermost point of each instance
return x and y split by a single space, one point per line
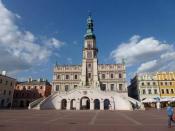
63 104
85 103
97 104
106 104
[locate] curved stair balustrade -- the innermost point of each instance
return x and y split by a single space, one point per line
35 103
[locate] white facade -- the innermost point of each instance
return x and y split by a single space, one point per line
89 85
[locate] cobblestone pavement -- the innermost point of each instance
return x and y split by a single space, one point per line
53 120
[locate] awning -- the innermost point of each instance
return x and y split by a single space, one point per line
149 100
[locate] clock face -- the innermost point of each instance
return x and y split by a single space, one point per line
89 54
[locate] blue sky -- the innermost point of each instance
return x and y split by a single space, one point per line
145 25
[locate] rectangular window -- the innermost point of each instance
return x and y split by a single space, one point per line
9 93
172 91
4 92
112 87
57 88
103 87
103 76
75 86
120 75
0 80
6 82
120 87
167 91
112 76
148 83
67 77
162 91
155 91
144 92
154 83
58 77
149 91
66 87
75 77
89 75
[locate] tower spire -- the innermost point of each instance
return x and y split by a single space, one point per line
89 29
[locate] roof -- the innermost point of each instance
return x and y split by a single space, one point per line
34 82
7 77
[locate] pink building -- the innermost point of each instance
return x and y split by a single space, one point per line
28 91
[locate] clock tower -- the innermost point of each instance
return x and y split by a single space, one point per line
90 61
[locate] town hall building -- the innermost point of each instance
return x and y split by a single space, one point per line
89 85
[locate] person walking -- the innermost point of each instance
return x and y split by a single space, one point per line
170 113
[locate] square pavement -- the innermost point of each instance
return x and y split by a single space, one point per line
54 120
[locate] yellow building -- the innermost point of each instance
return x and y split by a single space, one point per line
166 81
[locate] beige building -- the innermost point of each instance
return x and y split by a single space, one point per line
144 86
28 91
7 85
112 77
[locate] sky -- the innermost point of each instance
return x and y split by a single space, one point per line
34 35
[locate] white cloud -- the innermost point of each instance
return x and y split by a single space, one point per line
69 60
21 49
52 42
149 54
147 66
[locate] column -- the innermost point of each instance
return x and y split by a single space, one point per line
77 104
101 105
91 105
113 105
68 105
